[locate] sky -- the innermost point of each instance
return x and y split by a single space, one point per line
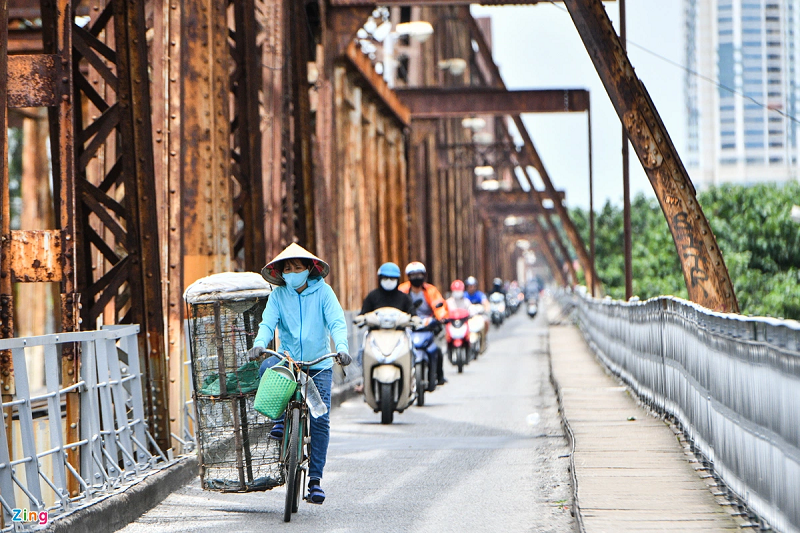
537 47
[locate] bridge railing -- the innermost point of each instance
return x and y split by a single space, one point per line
114 443
732 382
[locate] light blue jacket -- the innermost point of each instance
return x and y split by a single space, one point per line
304 321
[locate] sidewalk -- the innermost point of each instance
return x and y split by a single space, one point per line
632 472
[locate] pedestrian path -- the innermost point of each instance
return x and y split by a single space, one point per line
632 472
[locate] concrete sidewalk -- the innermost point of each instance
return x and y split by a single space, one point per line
633 473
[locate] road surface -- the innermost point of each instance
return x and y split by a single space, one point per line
473 459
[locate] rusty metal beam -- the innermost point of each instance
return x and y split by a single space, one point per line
525 209
140 194
389 97
467 101
57 39
533 159
247 241
704 270
33 80
434 3
518 197
35 256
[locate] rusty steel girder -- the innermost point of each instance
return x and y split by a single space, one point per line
704 270
116 234
435 3
248 200
531 157
454 102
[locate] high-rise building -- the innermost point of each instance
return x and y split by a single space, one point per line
744 130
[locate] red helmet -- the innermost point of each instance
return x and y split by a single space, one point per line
457 285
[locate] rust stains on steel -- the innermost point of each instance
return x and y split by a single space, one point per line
35 256
532 158
378 85
6 294
704 270
518 196
442 3
57 26
466 101
140 195
246 167
205 146
33 80
368 205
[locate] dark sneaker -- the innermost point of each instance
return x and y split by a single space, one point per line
277 431
315 494
442 381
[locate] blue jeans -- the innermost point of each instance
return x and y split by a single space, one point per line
320 428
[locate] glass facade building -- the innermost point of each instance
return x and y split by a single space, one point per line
745 129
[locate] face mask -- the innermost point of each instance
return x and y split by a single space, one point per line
295 280
389 284
458 294
417 282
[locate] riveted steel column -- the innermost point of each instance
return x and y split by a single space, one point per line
205 145
704 270
140 199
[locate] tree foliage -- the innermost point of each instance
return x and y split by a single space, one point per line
758 239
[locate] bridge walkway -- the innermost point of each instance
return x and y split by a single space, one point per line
633 471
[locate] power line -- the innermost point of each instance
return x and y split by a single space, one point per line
701 76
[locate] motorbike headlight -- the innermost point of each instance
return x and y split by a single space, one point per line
376 350
398 350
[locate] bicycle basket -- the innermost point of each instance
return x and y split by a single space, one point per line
274 392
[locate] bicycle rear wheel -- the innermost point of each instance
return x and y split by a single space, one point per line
292 470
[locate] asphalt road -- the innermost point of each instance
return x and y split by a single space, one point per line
486 453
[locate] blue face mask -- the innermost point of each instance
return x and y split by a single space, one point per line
295 280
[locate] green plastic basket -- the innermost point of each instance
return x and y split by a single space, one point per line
274 392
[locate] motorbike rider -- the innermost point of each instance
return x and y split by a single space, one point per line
497 286
387 295
457 299
473 294
304 309
432 303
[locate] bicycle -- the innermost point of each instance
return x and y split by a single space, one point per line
296 435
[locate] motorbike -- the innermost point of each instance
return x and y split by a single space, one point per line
478 328
458 338
513 301
497 308
390 383
426 354
532 307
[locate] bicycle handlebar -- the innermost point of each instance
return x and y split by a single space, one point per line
301 363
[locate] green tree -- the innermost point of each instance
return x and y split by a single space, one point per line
758 239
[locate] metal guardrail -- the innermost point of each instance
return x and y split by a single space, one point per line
731 382
114 440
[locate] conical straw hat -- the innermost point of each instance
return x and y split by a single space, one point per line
294 251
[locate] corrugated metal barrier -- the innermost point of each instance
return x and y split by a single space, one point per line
732 382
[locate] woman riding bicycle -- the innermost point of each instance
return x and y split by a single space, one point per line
305 310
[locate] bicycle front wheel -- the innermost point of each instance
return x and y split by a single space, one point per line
292 470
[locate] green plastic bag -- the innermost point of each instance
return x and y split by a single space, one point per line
242 381
274 393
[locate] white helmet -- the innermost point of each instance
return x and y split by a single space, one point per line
415 267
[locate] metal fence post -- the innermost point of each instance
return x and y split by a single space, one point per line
34 490
52 361
90 423
106 410
130 345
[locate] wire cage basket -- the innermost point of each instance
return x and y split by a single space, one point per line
234 451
